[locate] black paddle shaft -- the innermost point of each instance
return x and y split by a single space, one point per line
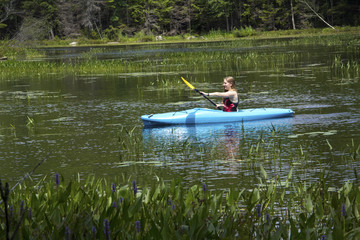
207 98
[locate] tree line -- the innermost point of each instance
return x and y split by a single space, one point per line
111 19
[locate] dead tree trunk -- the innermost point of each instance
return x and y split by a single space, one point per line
292 15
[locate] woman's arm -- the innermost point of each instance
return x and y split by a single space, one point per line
220 94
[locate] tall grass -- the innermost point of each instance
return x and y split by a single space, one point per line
225 57
348 71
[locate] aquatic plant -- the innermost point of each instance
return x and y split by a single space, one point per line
346 71
273 210
225 56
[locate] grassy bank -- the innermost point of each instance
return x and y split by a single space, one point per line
13 49
215 35
124 209
89 63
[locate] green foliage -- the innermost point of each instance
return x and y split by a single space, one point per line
143 37
244 32
88 63
112 33
70 18
79 209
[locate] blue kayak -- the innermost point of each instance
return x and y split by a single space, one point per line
205 115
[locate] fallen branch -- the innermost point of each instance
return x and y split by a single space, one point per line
317 14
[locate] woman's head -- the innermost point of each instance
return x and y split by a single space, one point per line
229 83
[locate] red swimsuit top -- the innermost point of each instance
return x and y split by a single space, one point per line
229 106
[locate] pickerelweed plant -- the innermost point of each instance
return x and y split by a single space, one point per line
125 209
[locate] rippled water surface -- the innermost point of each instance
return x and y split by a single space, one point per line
91 124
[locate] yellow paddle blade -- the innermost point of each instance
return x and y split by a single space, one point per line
187 83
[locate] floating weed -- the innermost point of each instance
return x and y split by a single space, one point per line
313 134
62 119
148 163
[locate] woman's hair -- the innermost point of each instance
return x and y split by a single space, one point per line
231 80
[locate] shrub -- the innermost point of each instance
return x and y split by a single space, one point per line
244 32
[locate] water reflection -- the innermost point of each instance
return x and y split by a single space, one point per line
215 153
222 135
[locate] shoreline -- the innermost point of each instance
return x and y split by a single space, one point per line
217 36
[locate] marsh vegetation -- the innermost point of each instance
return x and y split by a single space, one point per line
293 177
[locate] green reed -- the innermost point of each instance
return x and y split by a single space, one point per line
186 62
347 71
130 143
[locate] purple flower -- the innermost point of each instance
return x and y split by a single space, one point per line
138 226
107 229
258 209
67 232
22 207
93 230
57 180
343 210
204 187
11 211
323 237
171 204
134 187
114 205
267 218
121 200
113 187
30 213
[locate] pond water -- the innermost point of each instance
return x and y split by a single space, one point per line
90 124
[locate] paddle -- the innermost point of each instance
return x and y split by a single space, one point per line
192 87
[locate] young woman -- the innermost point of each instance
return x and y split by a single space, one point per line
230 96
